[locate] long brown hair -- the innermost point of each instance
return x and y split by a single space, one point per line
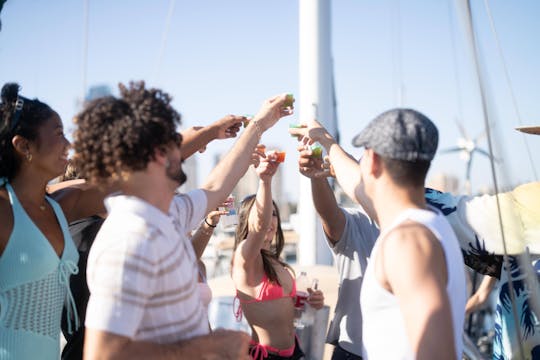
267 255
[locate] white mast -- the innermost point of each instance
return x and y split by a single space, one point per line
316 99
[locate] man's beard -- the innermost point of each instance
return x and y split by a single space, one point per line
175 173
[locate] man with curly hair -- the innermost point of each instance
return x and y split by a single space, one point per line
83 231
142 267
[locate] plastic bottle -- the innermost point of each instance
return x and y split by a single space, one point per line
231 218
308 316
302 284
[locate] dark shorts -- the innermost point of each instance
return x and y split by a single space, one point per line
342 354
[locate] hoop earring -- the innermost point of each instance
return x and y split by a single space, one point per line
29 157
167 164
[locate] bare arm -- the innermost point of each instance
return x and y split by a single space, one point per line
200 239
332 217
222 344
197 137
260 216
481 295
79 199
346 168
226 174
419 283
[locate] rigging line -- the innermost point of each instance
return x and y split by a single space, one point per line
454 60
164 37
85 50
533 284
509 84
475 51
396 55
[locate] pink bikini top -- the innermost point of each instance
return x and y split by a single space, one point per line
268 291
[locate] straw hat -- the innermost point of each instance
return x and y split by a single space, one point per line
535 130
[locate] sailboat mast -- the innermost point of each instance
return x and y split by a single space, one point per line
316 99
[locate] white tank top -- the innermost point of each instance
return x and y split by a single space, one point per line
383 329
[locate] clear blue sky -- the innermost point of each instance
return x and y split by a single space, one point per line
228 56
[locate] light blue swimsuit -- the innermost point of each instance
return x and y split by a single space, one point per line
34 285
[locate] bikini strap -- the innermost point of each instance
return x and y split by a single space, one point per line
258 351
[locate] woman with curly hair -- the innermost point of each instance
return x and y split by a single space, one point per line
37 254
265 285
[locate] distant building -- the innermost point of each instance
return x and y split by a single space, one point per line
190 169
97 91
444 182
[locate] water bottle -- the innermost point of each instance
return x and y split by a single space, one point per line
302 284
231 219
308 316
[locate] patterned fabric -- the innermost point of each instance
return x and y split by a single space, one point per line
142 271
505 344
476 222
34 286
401 134
474 247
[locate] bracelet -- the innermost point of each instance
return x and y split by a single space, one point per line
207 223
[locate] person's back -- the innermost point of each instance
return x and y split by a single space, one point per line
83 233
384 332
412 276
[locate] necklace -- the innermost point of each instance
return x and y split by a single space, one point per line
42 207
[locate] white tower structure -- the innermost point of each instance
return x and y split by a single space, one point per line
316 99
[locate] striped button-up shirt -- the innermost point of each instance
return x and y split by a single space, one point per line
142 272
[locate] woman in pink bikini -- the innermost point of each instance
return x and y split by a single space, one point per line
265 285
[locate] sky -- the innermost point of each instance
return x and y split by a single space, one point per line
221 57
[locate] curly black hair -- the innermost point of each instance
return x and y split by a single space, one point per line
116 136
24 121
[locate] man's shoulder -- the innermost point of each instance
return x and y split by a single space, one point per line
130 235
411 237
188 204
358 221
125 225
355 214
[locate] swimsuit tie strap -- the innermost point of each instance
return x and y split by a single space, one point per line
258 351
66 269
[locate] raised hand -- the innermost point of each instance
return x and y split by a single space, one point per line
315 298
267 167
228 126
213 216
310 133
311 166
272 110
257 155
